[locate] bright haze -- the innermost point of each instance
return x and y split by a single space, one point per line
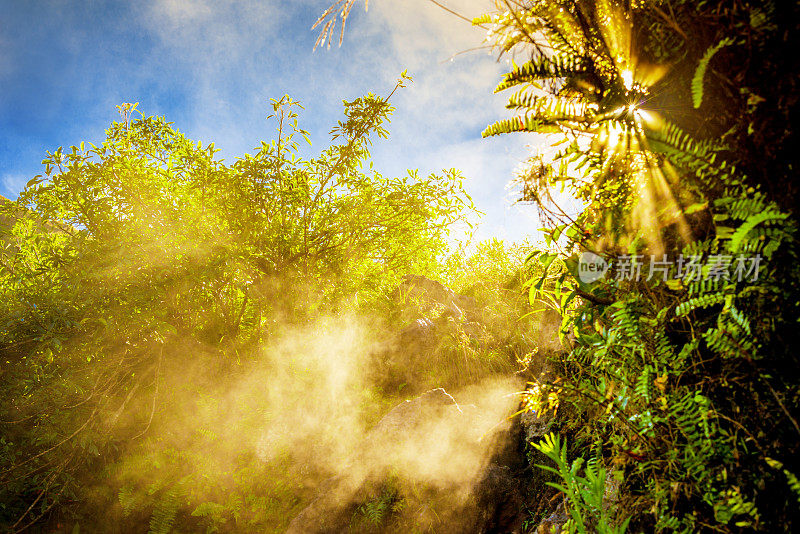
210 66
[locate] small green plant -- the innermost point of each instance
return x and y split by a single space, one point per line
377 511
585 493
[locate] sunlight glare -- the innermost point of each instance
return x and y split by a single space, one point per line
627 78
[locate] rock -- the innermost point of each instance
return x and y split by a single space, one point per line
433 292
611 491
553 524
535 426
384 447
431 457
501 500
406 416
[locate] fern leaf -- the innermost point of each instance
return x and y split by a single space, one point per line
753 221
127 499
794 482
700 72
541 68
642 388
164 513
699 302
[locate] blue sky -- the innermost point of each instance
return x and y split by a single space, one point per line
210 66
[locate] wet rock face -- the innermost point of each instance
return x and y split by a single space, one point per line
554 524
429 464
432 464
535 426
436 463
500 498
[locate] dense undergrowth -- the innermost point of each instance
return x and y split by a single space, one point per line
192 345
682 376
184 340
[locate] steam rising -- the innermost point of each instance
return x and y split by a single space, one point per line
303 418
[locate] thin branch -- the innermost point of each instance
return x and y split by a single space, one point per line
594 299
457 14
155 397
57 445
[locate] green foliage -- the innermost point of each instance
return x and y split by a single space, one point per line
164 513
377 511
541 68
585 493
143 262
794 482
688 382
700 72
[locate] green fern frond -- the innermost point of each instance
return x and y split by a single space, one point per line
520 124
729 346
700 72
740 319
541 68
670 136
730 504
704 286
794 482
738 207
752 221
548 107
127 499
643 384
699 302
628 321
164 513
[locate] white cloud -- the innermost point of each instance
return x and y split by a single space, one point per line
436 47
13 183
451 101
211 29
182 11
438 117
419 26
487 166
220 49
